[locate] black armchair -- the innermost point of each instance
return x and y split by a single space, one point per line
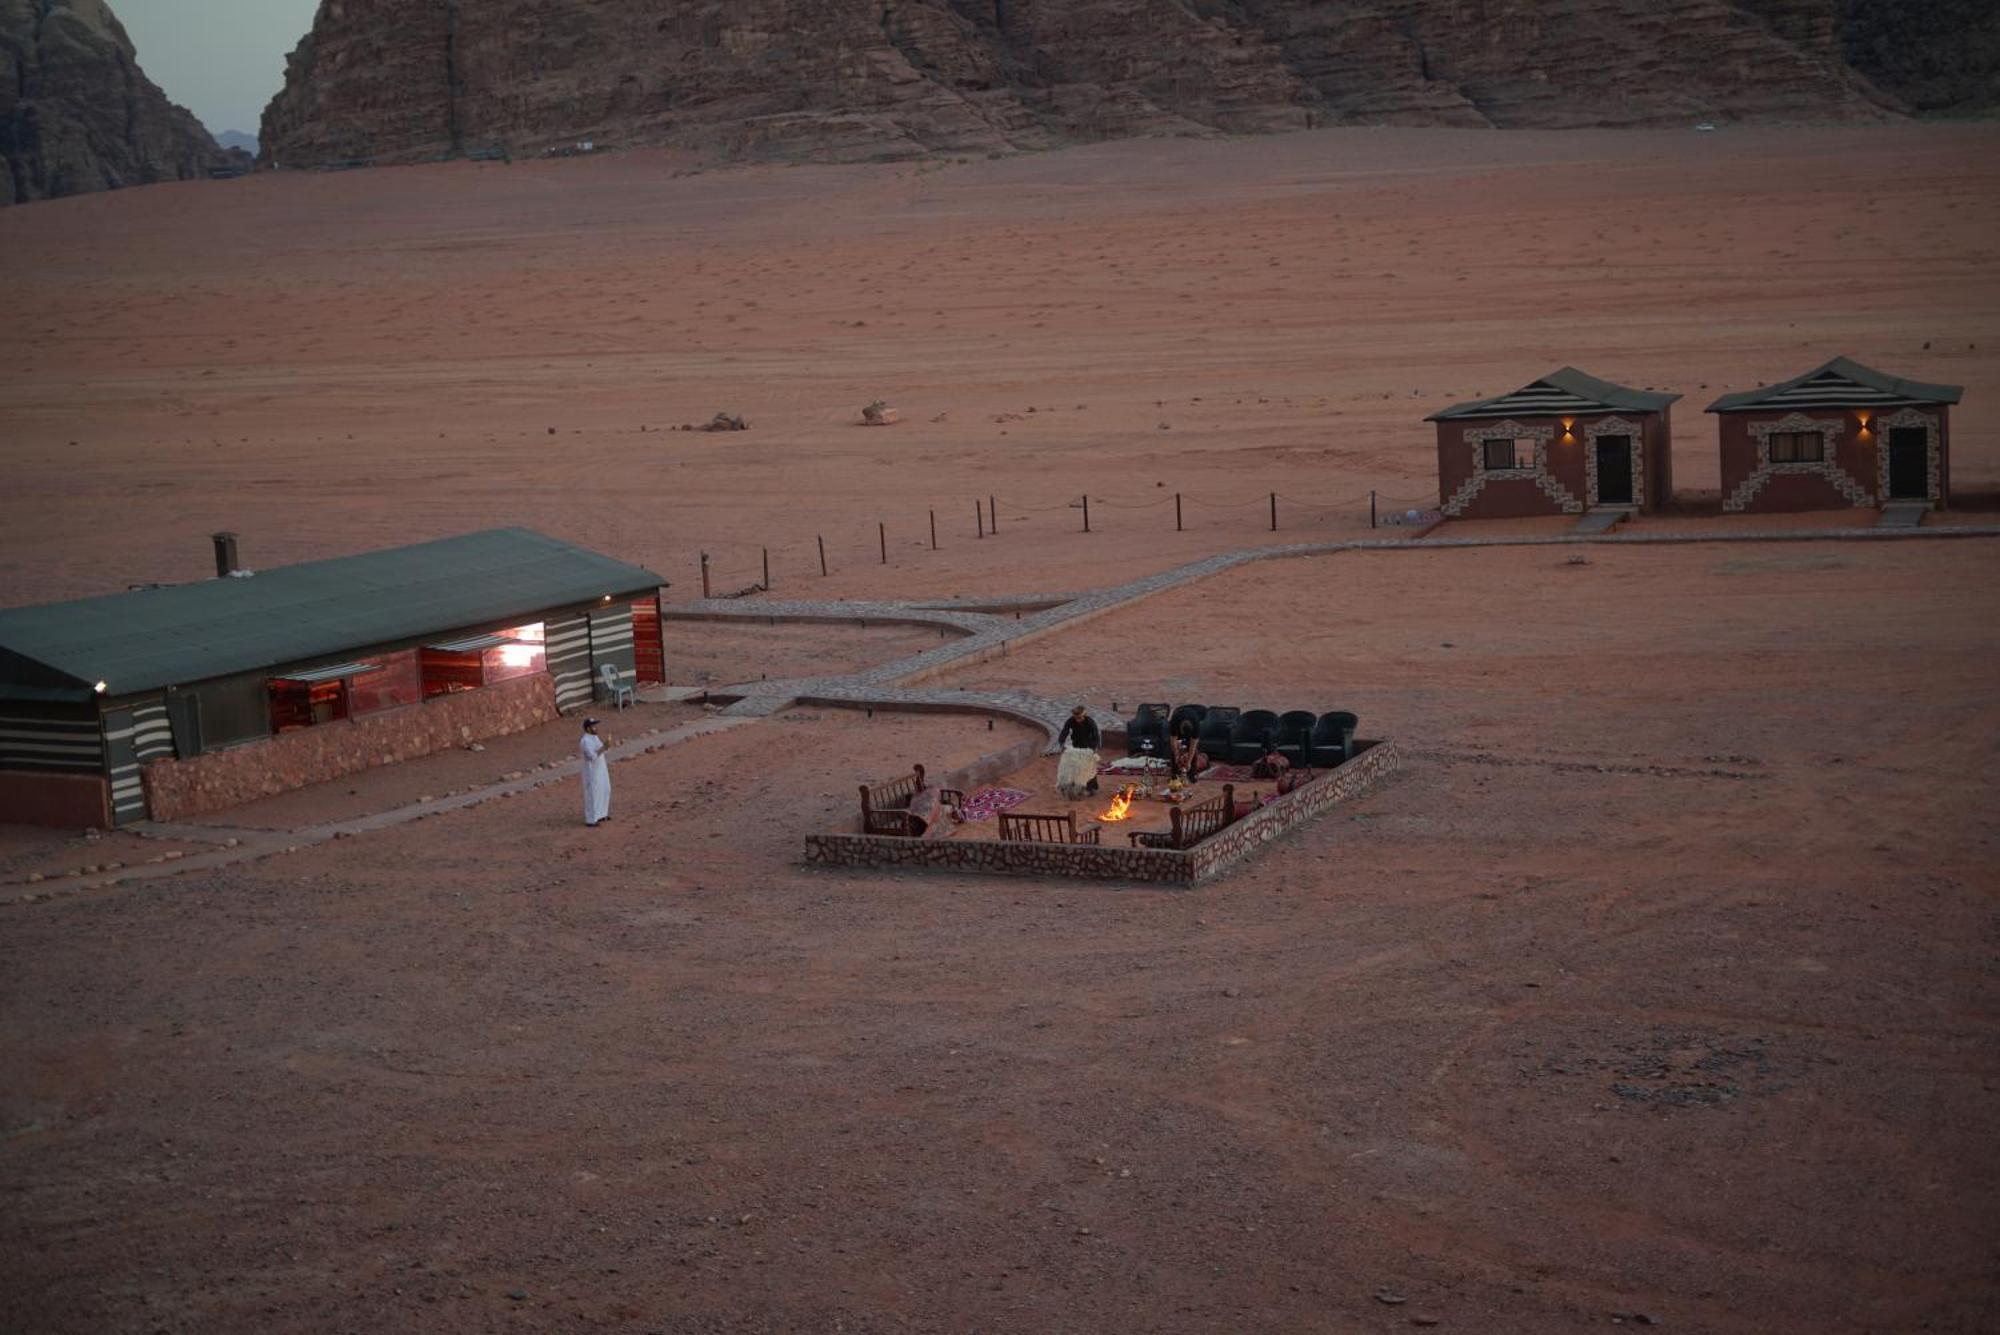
1333 739
1294 736
1250 734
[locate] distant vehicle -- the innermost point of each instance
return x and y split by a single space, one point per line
1704 127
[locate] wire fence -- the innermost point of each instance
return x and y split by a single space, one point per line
732 568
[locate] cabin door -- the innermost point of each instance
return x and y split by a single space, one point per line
1614 470
1909 463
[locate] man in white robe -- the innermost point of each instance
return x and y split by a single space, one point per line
596 776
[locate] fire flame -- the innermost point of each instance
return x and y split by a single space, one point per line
1121 806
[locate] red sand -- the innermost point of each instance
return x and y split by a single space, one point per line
1659 982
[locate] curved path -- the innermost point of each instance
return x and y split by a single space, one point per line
987 626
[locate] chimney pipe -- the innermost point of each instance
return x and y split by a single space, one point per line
225 555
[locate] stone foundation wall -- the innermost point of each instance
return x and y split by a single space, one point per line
1153 866
176 789
1234 842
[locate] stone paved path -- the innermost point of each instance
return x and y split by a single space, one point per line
987 625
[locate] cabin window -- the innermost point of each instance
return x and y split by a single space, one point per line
481 660
1797 447
397 682
1505 454
306 704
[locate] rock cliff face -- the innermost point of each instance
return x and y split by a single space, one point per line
77 113
390 80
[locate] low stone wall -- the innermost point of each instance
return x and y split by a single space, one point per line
176 789
1234 842
1153 866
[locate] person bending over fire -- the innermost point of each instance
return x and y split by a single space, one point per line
1185 753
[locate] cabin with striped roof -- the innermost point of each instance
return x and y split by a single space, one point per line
1839 436
169 700
1563 444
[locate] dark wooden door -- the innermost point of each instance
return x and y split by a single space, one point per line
1909 463
1614 470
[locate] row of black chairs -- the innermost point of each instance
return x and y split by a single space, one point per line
1241 736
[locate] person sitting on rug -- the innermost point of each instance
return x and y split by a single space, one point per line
1186 755
1079 730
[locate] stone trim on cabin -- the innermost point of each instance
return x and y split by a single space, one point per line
1615 426
1831 429
1933 451
1475 438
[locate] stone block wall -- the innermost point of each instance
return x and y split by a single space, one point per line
176 789
1154 866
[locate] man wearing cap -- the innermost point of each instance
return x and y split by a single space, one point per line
596 776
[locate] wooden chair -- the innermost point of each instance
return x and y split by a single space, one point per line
1192 824
1030 829
885 807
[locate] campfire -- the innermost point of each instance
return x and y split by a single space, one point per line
1121 806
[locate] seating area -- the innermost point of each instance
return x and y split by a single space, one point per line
1192 824
1232 736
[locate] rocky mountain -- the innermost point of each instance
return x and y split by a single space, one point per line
237 139
78 114
400 80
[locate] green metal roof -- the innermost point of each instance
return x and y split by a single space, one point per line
1564 391
1840 383
190 632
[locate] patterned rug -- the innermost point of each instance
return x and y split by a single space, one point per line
987 801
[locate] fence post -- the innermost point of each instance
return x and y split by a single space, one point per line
1177 512
822 555
882 535
978 516
1086 512
1371 509
993 514
704 574
1274 512
767 568
933 530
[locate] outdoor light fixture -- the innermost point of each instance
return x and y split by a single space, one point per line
101 688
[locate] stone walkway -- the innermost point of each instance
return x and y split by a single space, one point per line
988 626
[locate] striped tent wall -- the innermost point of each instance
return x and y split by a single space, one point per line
121 761
153 737
30 741
611 642
569 658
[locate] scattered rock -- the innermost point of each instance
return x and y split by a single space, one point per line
1390 1297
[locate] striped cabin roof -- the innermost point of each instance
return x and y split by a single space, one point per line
293 615
1567 391
1838 384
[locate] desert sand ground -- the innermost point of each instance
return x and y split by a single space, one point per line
1658 984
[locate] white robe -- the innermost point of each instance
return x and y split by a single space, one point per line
596 779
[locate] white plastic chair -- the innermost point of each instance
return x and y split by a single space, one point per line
609 687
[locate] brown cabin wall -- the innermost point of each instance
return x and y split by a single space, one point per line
1521 497
1856 455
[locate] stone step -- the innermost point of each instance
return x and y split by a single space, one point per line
1903 514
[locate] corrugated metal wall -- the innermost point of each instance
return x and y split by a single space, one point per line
121 761
611 643
48 739
569 658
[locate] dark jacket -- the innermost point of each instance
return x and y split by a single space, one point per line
1079 732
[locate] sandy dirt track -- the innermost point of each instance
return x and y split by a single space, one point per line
1659 981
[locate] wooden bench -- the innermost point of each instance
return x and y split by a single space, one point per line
1191 824
1061 829
887 808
